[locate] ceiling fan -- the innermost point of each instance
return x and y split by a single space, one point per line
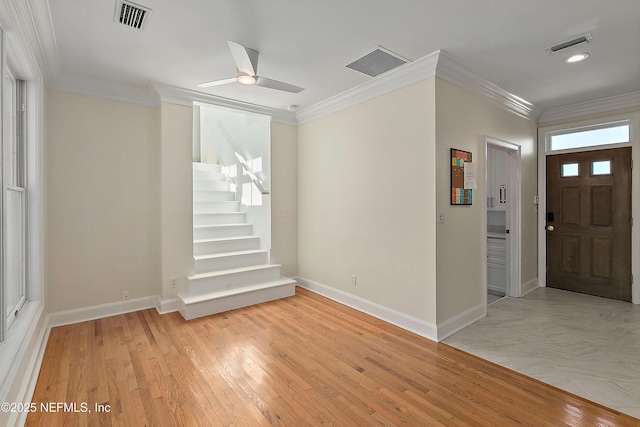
246 60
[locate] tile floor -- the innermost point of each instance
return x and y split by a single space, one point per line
586 345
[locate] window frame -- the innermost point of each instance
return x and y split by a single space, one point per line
577 129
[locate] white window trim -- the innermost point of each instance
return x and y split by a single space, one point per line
22 351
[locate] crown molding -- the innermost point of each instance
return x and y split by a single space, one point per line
596 106
405 75
21 23
454 72
181 96
437 64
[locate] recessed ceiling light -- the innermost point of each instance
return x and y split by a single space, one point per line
576 58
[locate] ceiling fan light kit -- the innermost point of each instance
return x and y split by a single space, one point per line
246 80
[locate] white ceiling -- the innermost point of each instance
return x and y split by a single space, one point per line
308 43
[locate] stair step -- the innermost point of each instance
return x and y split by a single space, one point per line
208 175
200 219
207 303
226 279
222 230
207 207
225 244
212 167
230 260
200 185
213 196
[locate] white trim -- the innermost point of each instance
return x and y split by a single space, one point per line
402 76
462 320
186 97
389 315
437 64
454 72
166 306
84 314
530 286
596 106
514 243
543 134
19 339
27 372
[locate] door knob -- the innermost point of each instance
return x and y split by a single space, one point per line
550 228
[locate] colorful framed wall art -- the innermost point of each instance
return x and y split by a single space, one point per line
459 194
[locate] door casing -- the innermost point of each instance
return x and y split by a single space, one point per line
513 249
543 144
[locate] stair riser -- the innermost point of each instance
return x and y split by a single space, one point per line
204 248
217 232
207 207
207 167
231 261
219 305
213 196
217 219
227 281
210 186
208 176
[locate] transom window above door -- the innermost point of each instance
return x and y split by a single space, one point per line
591 136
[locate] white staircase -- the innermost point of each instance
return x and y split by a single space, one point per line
231 271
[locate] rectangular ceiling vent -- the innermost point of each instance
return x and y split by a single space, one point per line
376 62
132 15
587 38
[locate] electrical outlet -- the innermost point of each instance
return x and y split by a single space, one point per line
353 280
125 295
174 282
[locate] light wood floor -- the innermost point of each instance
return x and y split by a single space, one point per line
300 361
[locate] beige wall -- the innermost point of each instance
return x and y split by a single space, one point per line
176 195
366 200
284 198
463 120
102 195
119 196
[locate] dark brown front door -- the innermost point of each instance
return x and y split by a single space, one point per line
589 222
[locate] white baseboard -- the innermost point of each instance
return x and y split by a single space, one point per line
84 314
462 320
166 306
389 315
529 286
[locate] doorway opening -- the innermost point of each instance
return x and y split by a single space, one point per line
585 240
502 220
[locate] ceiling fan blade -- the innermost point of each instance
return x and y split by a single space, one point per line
274 84
218 82
246 59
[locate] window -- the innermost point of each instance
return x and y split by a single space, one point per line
601 168
570 169
13 241
610 133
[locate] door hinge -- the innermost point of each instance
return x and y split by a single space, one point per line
23 107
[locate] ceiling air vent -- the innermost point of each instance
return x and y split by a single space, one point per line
132 15
376 62
587 38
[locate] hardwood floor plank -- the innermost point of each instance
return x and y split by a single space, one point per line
303 360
